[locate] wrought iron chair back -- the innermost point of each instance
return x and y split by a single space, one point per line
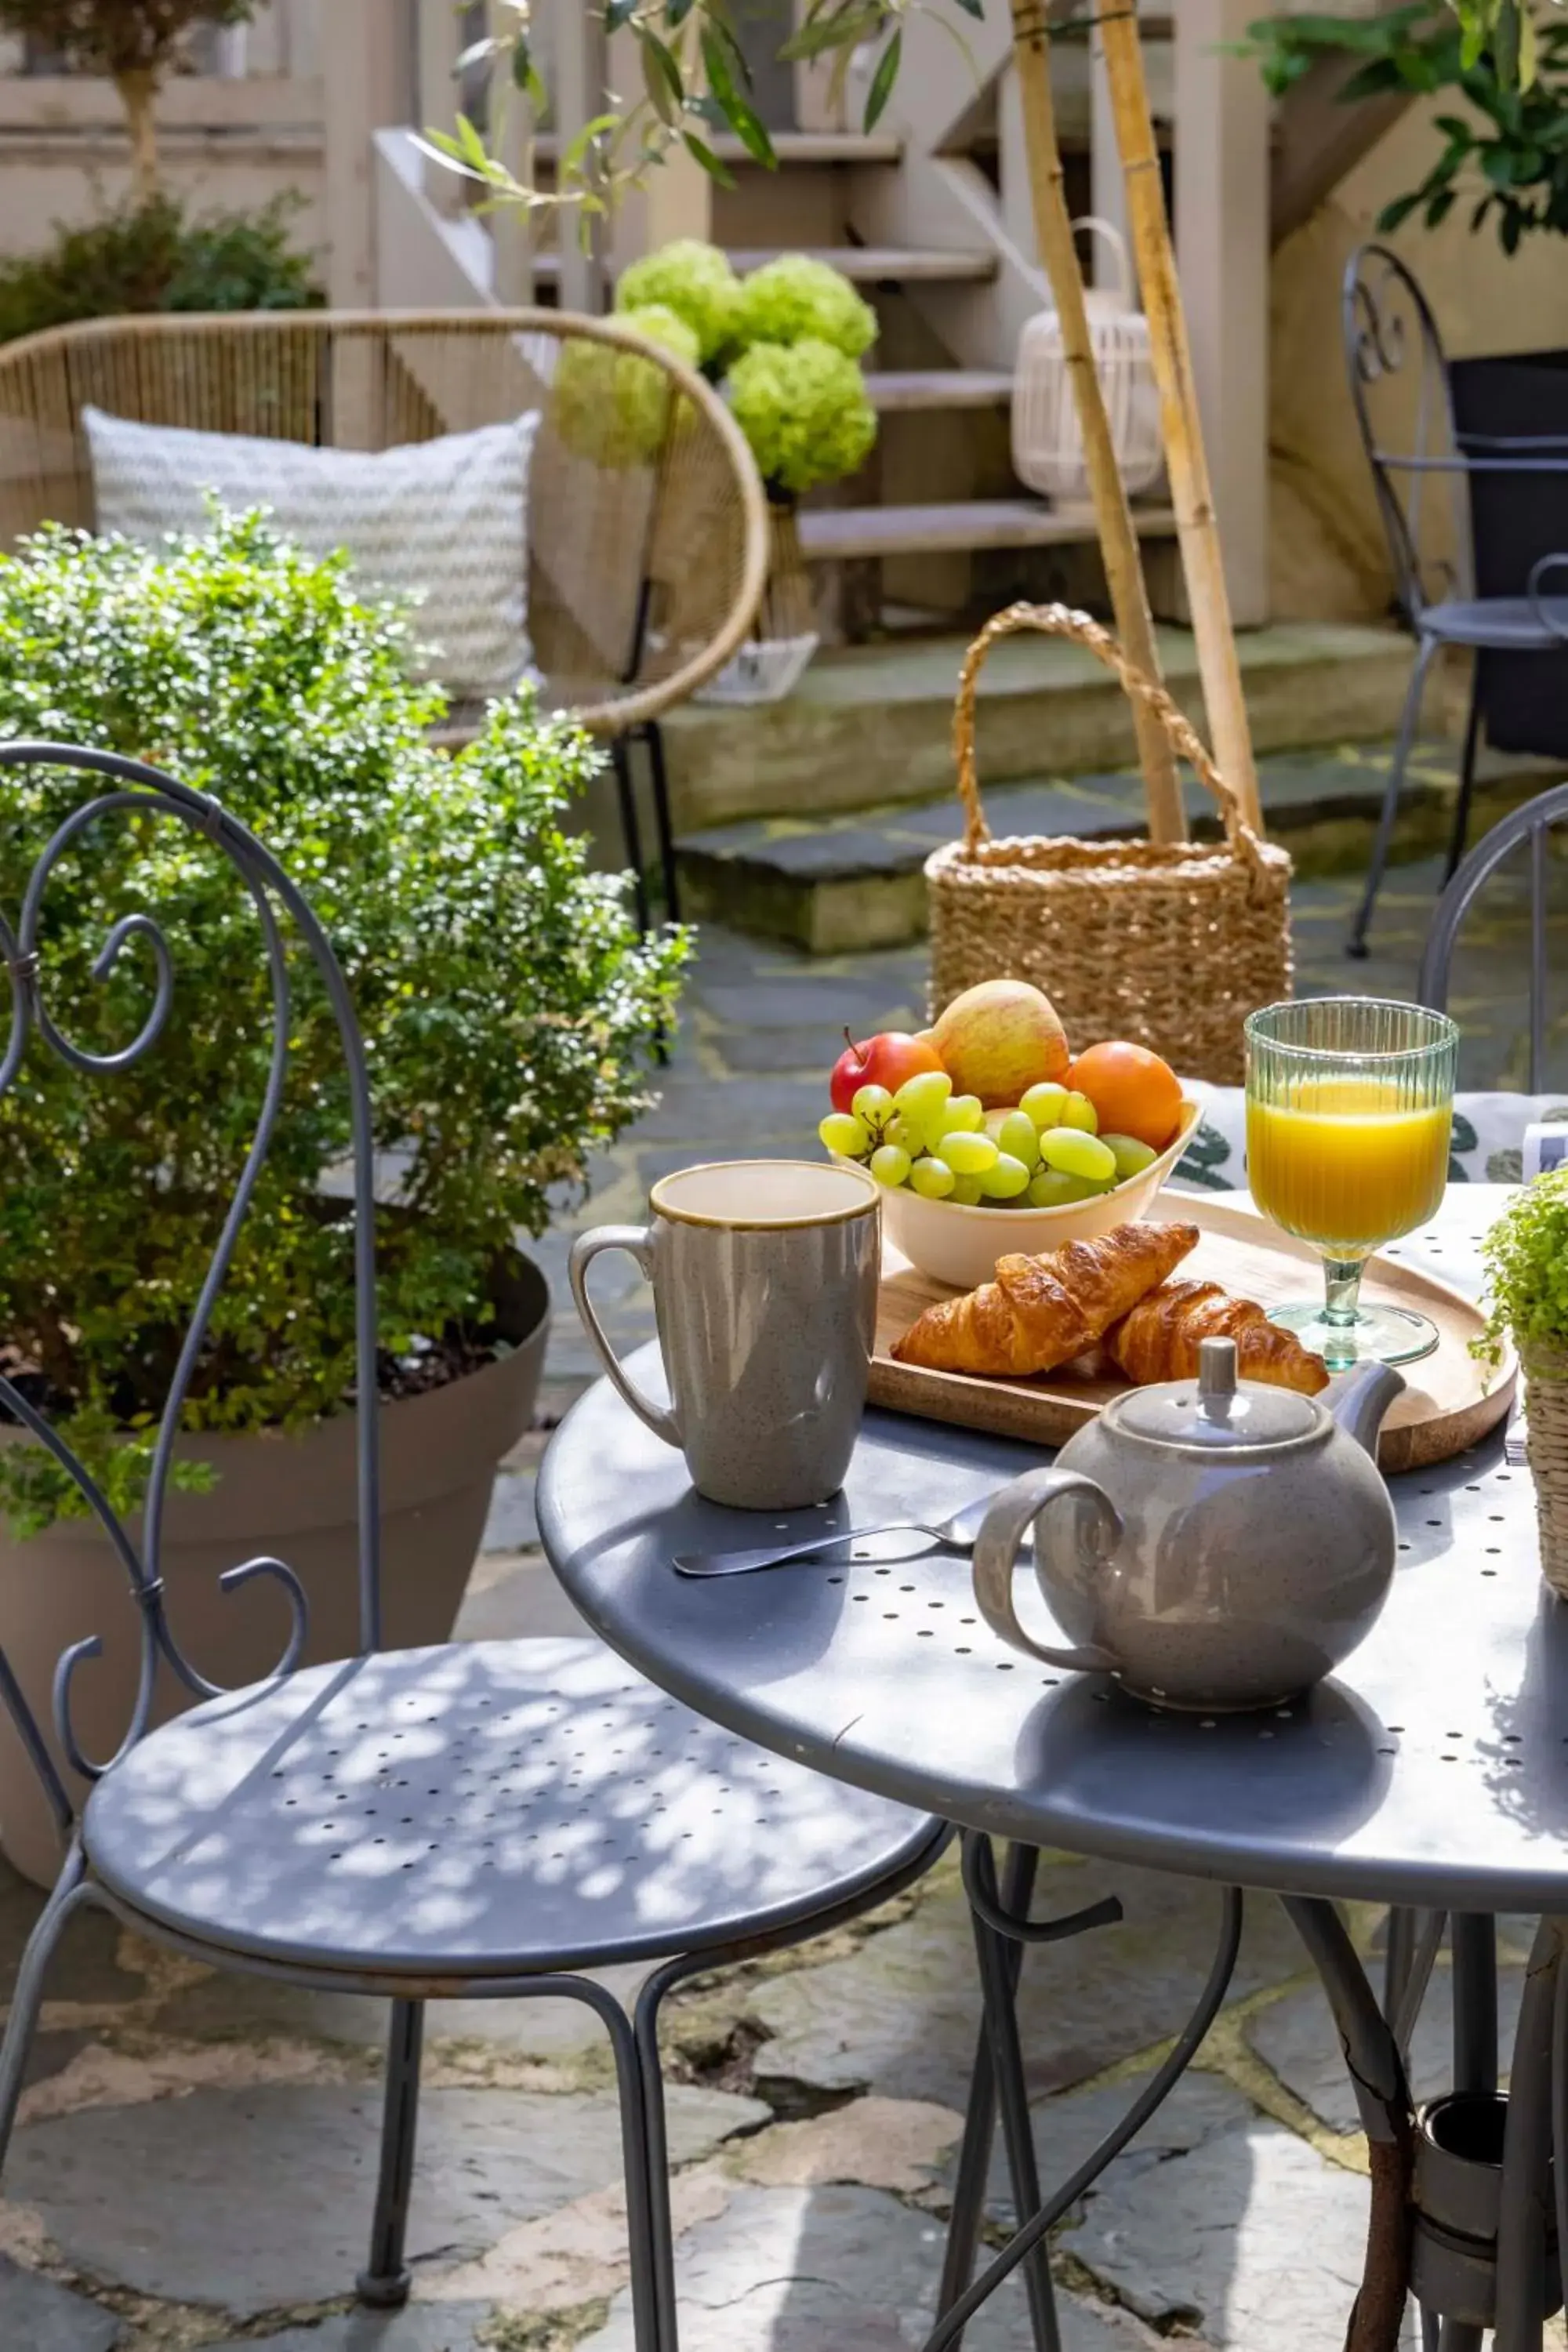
1530 824
1404 404
137 790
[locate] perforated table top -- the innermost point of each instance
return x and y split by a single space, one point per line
1432 1770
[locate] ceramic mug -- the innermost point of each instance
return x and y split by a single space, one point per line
764 1290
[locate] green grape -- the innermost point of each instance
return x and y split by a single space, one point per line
906 1133
1017 1139
923 1099
1078 1111
966 1191
1077 1154
1005 1179
874 1105
850 1137
1130 1156
1044 1104
1053 1188
933 1179
967 1154
889 1165
965 1113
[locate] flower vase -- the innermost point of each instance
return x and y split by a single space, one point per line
773 661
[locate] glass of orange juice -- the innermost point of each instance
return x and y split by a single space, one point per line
1349 1103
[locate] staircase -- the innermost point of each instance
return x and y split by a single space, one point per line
936 523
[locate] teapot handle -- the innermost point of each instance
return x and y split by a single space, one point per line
1013 1510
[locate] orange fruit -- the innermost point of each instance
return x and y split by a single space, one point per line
1132 1090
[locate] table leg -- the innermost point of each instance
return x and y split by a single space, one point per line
949 2329
1473 1934
999 1974
1382 2096
1527 2151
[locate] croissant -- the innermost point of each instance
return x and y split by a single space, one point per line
1039 1311
1158 1338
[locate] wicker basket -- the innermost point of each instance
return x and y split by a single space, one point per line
1546 1420
1170 946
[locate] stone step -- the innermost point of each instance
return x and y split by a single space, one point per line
869 724
898 390
881 265
800 147
856 882
839 534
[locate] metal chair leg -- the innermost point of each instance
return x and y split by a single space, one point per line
653 736
1356 943
631 832
1466 778
661 2226
27 1999
385 2282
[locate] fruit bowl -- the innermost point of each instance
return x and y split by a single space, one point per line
961 1245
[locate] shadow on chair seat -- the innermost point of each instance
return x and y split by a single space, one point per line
487 1809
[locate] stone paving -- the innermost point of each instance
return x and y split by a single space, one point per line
194 2162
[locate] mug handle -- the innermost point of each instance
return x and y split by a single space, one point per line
637 1242
1013 1510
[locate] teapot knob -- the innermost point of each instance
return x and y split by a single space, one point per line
1216 1369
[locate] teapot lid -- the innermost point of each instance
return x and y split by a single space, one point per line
1217 1411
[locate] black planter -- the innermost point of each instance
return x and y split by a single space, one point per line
1517 518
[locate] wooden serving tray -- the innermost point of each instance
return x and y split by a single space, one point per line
1449 1400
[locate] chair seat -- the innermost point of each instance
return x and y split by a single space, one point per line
487 1808
1501 624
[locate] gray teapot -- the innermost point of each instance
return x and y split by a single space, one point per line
1213 1544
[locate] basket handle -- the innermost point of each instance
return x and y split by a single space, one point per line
1061 620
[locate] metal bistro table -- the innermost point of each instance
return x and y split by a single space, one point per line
1431 1773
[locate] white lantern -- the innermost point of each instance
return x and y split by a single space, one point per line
1047 446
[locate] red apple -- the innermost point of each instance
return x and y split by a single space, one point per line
882 1061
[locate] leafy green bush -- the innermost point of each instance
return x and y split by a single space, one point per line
804 409
155 258
694 280
797 296
610 406
1526 1258
1512 164
509 1009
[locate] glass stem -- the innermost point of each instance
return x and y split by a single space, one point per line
1342 1310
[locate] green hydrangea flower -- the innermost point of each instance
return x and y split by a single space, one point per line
795 297
804 409
694 280
612 407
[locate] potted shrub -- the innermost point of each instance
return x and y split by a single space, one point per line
1525 1255
785 343
509 1013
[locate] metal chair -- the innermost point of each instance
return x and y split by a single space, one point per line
1395 355
1530 824
561 1815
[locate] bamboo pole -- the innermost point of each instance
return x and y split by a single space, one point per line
1113 518
1181 429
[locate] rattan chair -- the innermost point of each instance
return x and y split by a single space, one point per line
648 549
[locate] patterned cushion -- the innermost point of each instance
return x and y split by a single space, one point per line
442 522
1488 1140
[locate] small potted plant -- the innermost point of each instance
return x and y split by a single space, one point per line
1526 1256
509 1011
785 343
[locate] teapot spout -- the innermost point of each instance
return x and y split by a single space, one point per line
1359 1399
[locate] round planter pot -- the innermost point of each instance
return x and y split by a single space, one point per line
1546 1417
292 1497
